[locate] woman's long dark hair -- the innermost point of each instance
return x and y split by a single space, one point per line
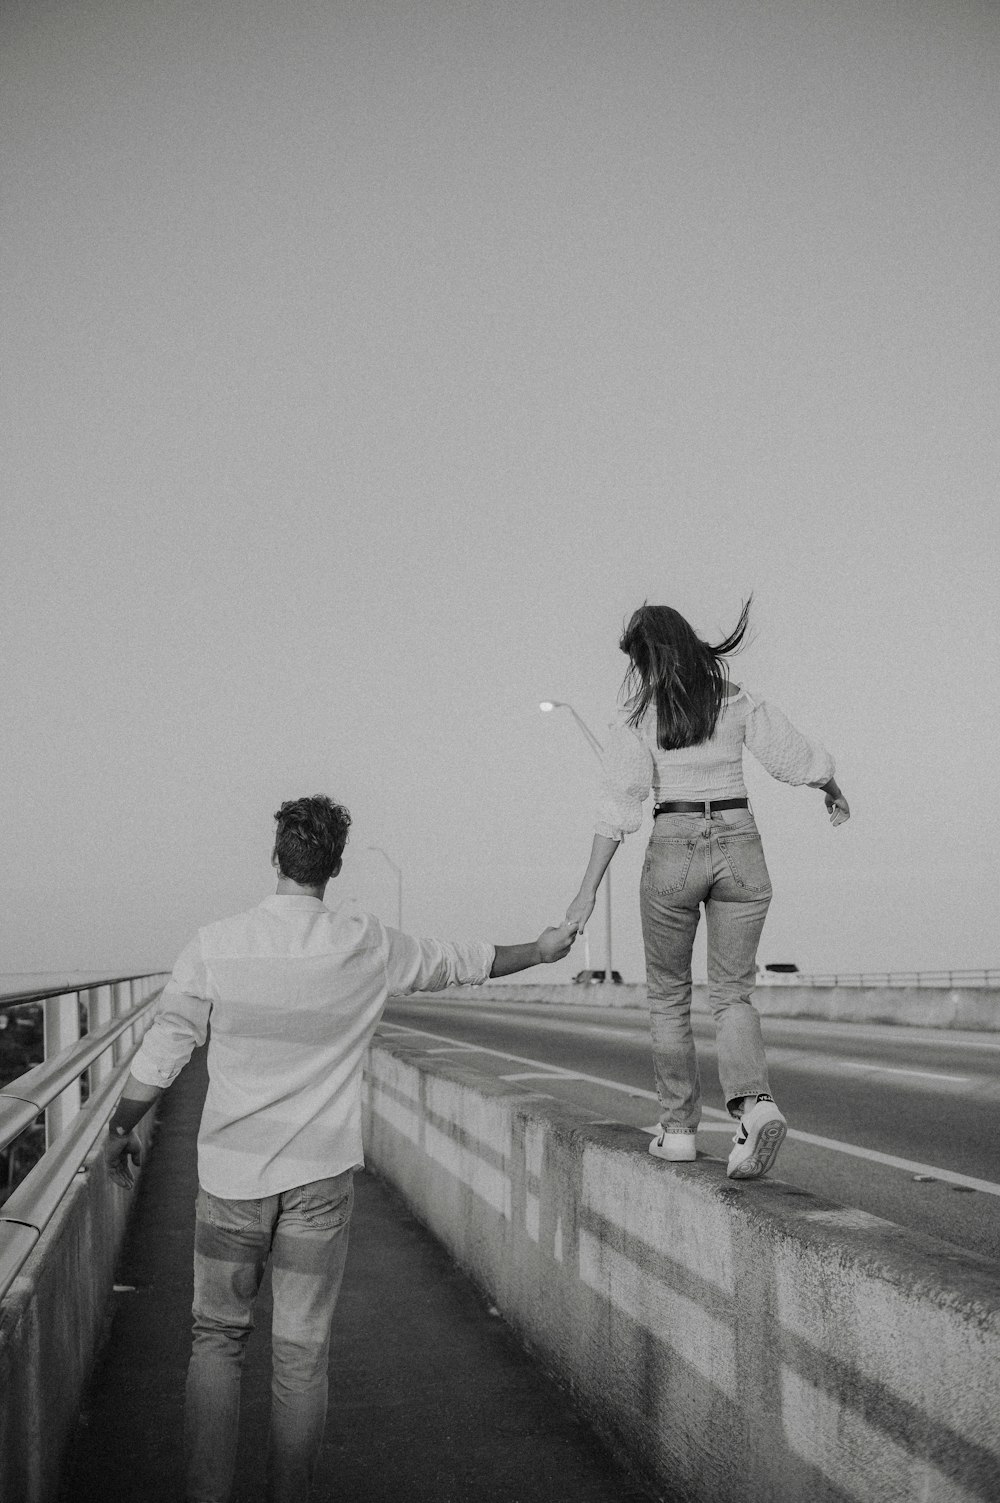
671 666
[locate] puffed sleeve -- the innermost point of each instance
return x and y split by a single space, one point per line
626 778
783 750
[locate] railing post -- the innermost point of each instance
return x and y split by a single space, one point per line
99 1013
62 1028
120 997
132 999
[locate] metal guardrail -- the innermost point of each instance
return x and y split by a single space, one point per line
71 988
28 1209
949 979
22 1099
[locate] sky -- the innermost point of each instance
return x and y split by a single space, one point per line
369 363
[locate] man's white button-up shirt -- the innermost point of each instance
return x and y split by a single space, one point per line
294 991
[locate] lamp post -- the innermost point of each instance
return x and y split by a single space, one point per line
546 706
399 883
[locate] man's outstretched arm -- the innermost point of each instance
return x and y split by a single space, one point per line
430 965
552 944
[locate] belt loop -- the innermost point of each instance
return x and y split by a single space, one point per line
708 808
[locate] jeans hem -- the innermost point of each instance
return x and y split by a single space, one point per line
738 1096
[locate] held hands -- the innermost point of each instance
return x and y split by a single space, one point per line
118 1151
556 943
838 808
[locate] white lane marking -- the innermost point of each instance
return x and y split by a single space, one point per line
909 1166
801 1059
951 1038
640 1029
811 1028
948 1175
542 1075
555 1071
835 1064
776 1056
899 1070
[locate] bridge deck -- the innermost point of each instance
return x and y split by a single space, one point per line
431 1398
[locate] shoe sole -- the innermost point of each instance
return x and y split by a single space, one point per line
765 1151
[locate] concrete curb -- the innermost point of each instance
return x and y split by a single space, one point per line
974 1008
733 1341
52 1327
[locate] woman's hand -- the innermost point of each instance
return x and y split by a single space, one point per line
580 909
838 808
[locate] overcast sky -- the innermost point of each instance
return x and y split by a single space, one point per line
367 364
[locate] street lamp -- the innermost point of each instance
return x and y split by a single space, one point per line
399 882
546 706
560 704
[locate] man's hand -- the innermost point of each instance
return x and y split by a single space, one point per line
551 944
118 1152
555 944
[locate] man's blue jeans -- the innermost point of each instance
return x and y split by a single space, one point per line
718 861
304 1232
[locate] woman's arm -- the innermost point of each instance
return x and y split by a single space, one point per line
582 906
783 750
791 757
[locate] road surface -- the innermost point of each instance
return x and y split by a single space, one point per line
901 1122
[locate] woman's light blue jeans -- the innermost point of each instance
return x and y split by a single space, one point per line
719 862
304 1232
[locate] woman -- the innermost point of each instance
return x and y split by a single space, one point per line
682 740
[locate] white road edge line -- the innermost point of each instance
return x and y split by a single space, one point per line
553 1072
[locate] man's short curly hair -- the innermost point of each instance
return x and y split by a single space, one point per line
310 840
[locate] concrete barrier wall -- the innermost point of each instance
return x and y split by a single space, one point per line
734 1342
52 1327
915 1006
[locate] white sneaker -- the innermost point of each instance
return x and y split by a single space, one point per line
762 1132
678 1147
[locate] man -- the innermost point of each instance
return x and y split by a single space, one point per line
294 990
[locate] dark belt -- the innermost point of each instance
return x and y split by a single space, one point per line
705 806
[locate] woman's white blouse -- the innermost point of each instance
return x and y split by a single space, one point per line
634 766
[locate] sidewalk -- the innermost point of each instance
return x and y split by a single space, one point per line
432 1399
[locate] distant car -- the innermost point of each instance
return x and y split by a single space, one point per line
776 971
590 978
